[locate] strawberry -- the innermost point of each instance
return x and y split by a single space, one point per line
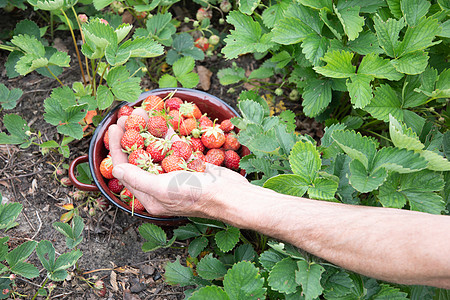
174 118
136 205
115 186
173 103
157 126
231 142
182 149
106 140
124 111
231 160
132 140
173 163
190 110
226 126
202 43
153 102
205 122
215 156
187 126
197 144
203 14
197 165
135 122
106 167
126 195
200 155
213 137
158 149
138 155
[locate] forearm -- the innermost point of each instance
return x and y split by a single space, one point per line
389 244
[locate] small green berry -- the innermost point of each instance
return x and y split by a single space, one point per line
186 20
294 95
231 90
278 92
221 21
214 39
195 24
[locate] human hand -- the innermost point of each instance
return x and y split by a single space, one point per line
178 193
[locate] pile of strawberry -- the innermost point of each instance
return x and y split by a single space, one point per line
177 136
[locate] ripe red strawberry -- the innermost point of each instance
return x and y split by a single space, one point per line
153 102
138 155
124 111
187 126
197 144
197 165
136 205
135 122
215 156
157 126
190 110
126 195
226 126
158 149
173 103
173 163
231 142
132 140
205 122
202 43
182 149
231 160
174 118
106 167
106 140
115 186
213 137
199 155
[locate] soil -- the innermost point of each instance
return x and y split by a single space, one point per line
112 245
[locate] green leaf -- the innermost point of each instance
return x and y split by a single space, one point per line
29 44
227 239
398 160
317 4
60 59
356 146
247 36
244 252
338 285
435 161
390 292
290 31
394 6
231 75
288 184
187 231
323 189
251 111
210 268
413 10
18 129
85 175
270 258
402 136
167 81
209 292
175 273
375 66
20 253
197 245
282 276
339 64
67 260
366 43
261 73
183 66
420 37
105 98
8 98
101 4
314 47
243 281
363 180
24 269
8 214
384 103
64 228
351 21
248 6
272 14
64 96
305 160
308 276
412 63
360 90
388 33
98 36
43 250
316 97
155 236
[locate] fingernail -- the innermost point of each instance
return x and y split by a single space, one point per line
118 172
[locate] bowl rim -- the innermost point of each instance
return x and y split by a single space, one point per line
99 130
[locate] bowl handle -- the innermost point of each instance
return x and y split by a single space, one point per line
79 185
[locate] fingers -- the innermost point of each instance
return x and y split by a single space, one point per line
115 134
222 172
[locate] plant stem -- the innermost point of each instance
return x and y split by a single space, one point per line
76 47
82 38
54 76
8 48
52 31
379 135
43 285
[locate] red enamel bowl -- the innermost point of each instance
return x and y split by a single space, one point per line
213 106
